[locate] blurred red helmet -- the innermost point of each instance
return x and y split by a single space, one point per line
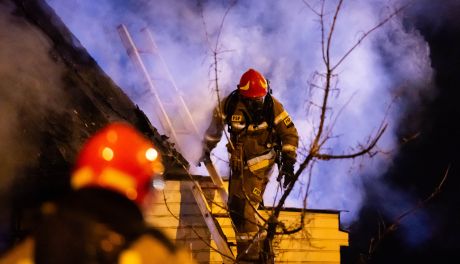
118 158
253 84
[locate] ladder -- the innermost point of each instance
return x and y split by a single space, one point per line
183 125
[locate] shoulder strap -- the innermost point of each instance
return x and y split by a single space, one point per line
230 106
269 111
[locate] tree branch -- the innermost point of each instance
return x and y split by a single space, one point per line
356 154
367 33
375 243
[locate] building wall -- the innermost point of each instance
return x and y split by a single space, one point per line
176 213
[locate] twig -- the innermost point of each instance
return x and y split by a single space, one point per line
397 222
367 33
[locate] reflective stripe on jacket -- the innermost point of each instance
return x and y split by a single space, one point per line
257 140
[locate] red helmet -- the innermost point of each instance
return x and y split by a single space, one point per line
118 158
253 84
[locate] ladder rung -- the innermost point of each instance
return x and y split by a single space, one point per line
145 51
221 215
183 132
167 103
231 244
210 188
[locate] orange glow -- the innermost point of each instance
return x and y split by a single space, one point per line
107 154
112 136
151 154
131 194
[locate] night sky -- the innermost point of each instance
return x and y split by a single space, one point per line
421 164
430 234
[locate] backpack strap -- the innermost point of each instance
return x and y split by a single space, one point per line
269 111
230 106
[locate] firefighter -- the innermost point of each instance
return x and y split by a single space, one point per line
261 132
101 221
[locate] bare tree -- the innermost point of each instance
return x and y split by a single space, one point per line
325 81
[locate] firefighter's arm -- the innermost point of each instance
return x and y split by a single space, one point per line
287 132
213 134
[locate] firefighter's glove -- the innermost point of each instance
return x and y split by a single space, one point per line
236 161
287 171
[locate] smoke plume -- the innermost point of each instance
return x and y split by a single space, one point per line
29 89
281 39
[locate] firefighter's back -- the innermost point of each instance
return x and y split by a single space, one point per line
94 226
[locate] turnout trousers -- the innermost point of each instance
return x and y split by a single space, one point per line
246 191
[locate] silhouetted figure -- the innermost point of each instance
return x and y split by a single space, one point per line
101 221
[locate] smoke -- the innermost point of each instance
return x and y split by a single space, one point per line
29 89
282 40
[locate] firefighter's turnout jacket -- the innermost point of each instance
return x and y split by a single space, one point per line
95 226
256 141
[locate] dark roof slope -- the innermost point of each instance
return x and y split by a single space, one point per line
53 96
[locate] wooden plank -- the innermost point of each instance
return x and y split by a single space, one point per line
319 242
311 221
187 233
320 233
316 244
171 221
304 261
196 245
310 255
212 256
286 242
177 196
174 208
161 209
177 185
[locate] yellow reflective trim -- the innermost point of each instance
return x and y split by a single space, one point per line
289 148
211 138
259 165
263 83
270 155
238 126
261 126
245 87
108 177
120 181
287 121
82 177
256 191
130 257
280 117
